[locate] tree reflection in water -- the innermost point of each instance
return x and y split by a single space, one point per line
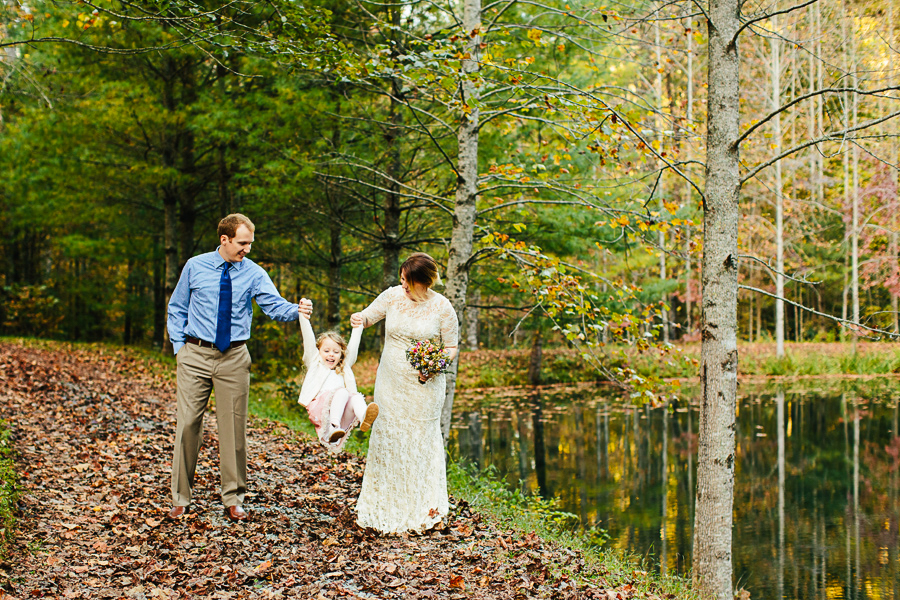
816 492
540 451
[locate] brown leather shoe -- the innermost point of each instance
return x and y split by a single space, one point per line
177 512
235 513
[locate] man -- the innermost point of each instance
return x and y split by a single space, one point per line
209 323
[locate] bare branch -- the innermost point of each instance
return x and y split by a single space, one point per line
765 16
843 322
525 316
776 271
800 99
826 138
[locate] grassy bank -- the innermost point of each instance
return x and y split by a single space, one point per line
489 495
9 492
501 368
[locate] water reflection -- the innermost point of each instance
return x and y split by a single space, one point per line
816 478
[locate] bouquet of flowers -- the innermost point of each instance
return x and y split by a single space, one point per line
428 358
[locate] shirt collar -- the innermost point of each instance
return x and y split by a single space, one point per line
218 261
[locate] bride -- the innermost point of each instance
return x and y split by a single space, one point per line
405 483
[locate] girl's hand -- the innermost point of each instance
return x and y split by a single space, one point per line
305 307
424 378
357 320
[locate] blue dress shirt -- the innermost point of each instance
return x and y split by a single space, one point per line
195 302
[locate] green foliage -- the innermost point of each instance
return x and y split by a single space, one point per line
28 309
9 490
486 488
592 320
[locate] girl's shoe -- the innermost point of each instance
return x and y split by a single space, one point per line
371 415
336 434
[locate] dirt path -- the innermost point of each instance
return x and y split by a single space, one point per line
94 432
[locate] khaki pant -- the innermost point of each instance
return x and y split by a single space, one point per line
200 370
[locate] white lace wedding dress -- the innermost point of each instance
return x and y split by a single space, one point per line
405 483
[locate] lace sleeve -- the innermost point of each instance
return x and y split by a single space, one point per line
378 309
449 326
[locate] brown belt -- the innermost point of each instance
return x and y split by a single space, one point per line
205 344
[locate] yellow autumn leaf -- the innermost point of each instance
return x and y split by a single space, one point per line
534 35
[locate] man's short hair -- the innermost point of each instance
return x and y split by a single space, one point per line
228 226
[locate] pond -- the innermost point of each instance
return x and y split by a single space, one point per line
816 477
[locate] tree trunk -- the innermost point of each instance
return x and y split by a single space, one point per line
811 112
187 166
335 273
336 201
854 282
719 355
779 191
895 234
464 212
851 197
187 201
689 189
820 79
170 208
160 294
660 189
392 211
223 174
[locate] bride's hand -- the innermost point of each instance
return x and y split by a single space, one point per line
357 320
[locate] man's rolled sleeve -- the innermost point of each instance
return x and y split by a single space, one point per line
272 304
178 309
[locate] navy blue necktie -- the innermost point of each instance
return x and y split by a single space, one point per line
223 321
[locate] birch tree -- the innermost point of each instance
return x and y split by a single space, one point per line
718 327
464 210
778 143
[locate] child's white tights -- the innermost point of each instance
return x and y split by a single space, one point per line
339 403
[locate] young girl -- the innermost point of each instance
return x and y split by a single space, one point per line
329 389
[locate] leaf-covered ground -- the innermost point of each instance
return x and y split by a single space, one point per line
94 429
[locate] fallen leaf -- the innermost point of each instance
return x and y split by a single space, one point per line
264 566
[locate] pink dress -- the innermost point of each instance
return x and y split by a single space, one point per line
320 416
321 383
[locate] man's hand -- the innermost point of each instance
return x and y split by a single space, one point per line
305 307
357 320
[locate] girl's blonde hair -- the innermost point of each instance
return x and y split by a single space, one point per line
338 339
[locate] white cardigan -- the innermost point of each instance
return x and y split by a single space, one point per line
316 371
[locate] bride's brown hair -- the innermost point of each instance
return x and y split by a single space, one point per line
420 268
338 339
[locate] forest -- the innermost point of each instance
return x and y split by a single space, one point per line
599 175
